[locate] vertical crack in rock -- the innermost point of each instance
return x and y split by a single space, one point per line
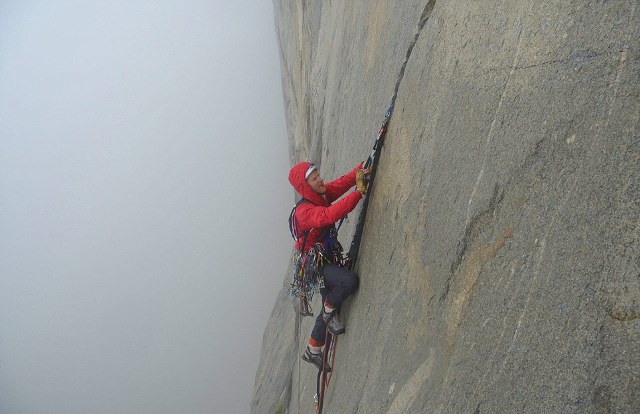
426 13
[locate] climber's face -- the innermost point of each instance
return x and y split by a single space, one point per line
316 183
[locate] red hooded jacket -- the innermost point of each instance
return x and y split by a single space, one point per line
319 214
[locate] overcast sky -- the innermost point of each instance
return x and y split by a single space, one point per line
143 203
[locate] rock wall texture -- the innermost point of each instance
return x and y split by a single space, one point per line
500 263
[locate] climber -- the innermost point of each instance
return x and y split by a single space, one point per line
314 217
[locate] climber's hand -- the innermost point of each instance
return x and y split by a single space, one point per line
362 178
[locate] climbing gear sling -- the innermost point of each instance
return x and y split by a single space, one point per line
372 164
324 375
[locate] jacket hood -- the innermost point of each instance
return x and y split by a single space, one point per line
299 183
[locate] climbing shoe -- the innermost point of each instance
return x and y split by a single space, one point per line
315 359
333 322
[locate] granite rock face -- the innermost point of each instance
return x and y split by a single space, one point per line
500 262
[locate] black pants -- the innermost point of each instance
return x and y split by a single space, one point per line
339 284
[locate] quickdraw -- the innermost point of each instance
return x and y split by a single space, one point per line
307 280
